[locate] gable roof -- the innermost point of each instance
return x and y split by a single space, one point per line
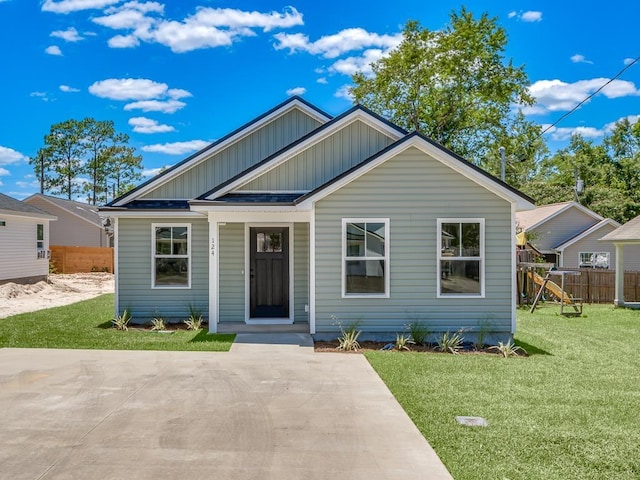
627 233
358 112
436 151
84 211
532 219
11 206
237 134
583 234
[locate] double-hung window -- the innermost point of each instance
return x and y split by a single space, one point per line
461 257
594 259
171 262
40 236
365 257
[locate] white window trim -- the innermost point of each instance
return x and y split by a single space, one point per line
386 258
40 248
153 256
481 258
594 253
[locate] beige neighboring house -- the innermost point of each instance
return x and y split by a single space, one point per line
24 241
78 225
568 234
626 239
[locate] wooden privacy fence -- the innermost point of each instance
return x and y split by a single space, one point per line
598 286
82 259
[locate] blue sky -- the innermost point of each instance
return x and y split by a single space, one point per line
176 75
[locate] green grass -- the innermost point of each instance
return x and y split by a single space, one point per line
88 325
571 410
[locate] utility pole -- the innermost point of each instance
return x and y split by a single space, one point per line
502 162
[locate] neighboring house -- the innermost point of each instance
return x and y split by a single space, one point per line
24 241
627 242
78 225
568 235
297 217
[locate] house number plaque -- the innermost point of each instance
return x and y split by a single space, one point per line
213 247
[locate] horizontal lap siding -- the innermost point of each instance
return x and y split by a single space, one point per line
232 278
134 267
18 248
413 191
561 228
590 243
301 271
237 157
323 161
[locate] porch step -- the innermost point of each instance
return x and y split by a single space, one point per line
241 327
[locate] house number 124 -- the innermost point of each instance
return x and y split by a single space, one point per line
213 247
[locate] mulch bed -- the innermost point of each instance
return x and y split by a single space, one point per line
367 346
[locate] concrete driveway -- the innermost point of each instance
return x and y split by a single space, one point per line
269 409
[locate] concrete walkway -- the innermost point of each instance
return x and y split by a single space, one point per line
269 409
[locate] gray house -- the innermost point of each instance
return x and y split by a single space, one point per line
300 218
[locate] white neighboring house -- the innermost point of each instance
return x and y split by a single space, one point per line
24 241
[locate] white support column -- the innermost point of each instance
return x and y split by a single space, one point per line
514 266
618 301
116 268
312 272
214 249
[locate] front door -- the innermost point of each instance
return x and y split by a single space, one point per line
269 272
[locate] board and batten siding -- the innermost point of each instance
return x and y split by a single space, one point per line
301 272
237 157
323 161
560 228
232 273
135 266
413 191
590 243
18 248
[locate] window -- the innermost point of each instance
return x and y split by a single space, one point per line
269 242
461 257
171 256
40 236
365 257
594 259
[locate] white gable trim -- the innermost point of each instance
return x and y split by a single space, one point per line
591 213
588 231
38 216
354 116
208 152
435 153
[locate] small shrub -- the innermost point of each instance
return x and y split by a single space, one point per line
194 323
508 349
419 332
402 342
158 324
348 339
451 343
483 329
121 322
52 267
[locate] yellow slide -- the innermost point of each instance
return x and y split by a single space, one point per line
551 286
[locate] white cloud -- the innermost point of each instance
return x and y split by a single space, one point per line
206 28
556 95
177 148
148 125
32 184
565 133
632 120
152 172
67 6
528 16
4 172
296 91
164 106
628 61
53 50
577 58
70 35
322 80
1 184
41 95
344 92
332 46
128 89
68 89
351 65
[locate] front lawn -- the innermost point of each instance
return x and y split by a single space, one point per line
571 410
87 325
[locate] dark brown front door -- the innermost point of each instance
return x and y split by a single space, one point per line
269 274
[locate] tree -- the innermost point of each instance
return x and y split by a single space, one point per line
66 149
452 85
42 168
124 168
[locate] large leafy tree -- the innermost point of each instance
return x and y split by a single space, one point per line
453 85
65 147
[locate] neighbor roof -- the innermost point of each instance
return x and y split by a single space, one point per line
530 219
16 207
627 233
83 210
588 231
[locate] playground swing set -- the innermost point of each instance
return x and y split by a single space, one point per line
529 281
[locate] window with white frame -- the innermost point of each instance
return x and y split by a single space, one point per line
40 236
365 257
594 259
461 257
171 256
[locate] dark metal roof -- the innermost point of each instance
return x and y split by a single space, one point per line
217 142
151 205
12 205
83 210
259 198
297 142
